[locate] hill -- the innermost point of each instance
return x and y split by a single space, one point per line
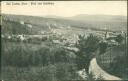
111 22
93 22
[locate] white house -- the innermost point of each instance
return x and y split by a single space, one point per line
22 22
29 25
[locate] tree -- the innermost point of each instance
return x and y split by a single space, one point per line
119 38
87 47
102 47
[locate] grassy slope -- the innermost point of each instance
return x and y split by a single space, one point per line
115 61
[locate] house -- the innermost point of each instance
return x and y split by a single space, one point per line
22 22
29 25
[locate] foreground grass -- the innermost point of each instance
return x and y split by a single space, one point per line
58 72
37 62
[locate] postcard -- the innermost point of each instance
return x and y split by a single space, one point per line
64 41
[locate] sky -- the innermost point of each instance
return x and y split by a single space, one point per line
65 8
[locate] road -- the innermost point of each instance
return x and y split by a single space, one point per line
98 71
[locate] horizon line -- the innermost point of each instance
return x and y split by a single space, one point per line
62 16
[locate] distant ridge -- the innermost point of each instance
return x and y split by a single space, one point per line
84 21
85 17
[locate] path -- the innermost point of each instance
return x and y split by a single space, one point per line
98 71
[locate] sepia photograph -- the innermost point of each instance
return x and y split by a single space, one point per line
64 41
